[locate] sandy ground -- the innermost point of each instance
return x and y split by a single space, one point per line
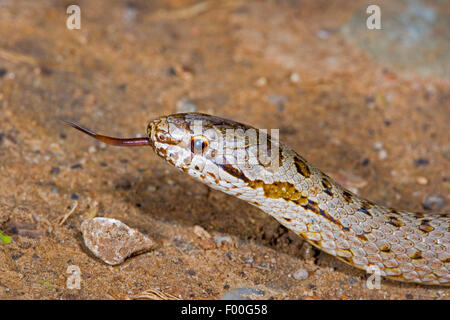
381 130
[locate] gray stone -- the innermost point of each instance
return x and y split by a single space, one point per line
242 294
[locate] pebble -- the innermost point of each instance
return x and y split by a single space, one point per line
301 274
422 180
76 166
55 170
277 100
222 239
295 78
185 105
306 251
201 232
322 34
261 82
382 153
421 162
112 241
433 202
242 294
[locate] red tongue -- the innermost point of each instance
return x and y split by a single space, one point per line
128 142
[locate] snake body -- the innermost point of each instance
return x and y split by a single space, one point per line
401 245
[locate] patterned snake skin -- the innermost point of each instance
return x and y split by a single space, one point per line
405 246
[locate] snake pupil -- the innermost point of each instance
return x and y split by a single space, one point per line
198 144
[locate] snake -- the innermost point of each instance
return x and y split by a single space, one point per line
254 166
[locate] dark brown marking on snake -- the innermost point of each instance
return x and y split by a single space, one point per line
165 137
302 167
287 219
235 172
394 212
365 206
418 215
346 259
327 186
314 207
394 221
301 201
348 197
212 175
385 248
416 255
425 226
362 237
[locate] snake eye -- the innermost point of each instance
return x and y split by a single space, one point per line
199 144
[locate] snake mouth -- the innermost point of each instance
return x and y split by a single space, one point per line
150 133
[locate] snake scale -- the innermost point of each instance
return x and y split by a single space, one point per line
404 246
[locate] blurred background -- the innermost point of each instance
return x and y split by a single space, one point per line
371 107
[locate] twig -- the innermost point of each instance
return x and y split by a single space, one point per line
67 215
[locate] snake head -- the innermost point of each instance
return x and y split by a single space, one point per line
186 137
195 141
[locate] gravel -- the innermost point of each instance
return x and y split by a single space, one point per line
301 274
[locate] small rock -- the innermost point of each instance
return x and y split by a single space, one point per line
219 240
151 188
295 78
185 105
422 180
301 274
382 154
201 233
307 251
277 100
191 272
242 294
322 34
16 256
421 162
261 82
434 202
112 241
55 170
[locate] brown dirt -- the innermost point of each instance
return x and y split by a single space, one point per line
131 62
